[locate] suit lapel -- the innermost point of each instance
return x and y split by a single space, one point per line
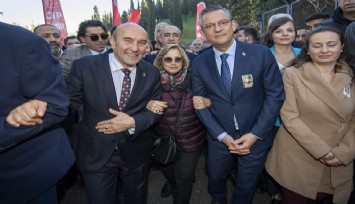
239 59
139 82
325 91
215 75
106 80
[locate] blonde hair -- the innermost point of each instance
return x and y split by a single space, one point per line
158 62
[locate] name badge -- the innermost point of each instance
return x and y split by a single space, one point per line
247 81
346 90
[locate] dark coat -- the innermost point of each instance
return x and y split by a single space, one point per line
90 84
255 107
32 158
190 134
338 20
349 44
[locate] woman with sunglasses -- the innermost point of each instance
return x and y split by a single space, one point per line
178 116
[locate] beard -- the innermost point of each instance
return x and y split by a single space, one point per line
56 51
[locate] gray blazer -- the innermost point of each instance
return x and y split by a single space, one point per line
70 55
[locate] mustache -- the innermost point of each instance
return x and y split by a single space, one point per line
55 44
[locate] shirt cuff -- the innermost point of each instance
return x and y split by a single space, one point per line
131 131
221 136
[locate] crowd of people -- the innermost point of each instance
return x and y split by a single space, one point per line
276 108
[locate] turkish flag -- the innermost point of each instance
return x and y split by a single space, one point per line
116 14
134 16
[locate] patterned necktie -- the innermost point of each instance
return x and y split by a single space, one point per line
226 74
126 89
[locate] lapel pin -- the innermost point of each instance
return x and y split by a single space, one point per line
143 74
244 54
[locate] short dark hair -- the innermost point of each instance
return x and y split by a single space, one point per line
249 31
36 28
315 16
113 30
300 27
68 38
89 23
213 8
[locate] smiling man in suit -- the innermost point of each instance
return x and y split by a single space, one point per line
245 87
114 142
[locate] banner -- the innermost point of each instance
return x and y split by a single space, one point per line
53 15
200 7
134 16
116 19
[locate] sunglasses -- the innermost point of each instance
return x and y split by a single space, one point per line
103 36
170 60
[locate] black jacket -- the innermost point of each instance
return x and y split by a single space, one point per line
338 20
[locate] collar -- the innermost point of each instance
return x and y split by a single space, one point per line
93 52
230 51
116 65
295 50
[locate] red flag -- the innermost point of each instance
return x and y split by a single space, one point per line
134 16
200 7
53 15
116 14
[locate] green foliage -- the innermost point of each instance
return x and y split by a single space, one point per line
152 18
189 31
96 15
144 21
159 11
185 7
124 17
131 5
166 9
107 20
175 16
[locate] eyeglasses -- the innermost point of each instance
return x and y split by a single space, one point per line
221 23
169 60
103 36
72 43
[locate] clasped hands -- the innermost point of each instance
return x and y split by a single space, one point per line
240 146
331 160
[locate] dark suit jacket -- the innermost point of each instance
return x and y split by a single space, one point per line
255 108
90 83
32 158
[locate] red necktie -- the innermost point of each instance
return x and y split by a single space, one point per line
126 89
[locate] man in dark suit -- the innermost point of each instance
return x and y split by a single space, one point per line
246 91
35 155
114 142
